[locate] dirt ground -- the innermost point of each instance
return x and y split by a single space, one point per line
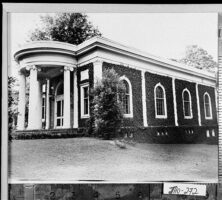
79 159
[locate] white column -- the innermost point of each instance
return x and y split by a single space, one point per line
35 101
75 101
29 191
198 104
47 124
21 103
175 102
144 99
97 70
67 123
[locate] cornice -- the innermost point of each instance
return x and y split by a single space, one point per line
108 45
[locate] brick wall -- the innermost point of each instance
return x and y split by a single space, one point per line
135 78
166 82
180 85
202 89
83 122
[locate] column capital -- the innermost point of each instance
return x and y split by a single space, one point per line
98 61
32 67
68 68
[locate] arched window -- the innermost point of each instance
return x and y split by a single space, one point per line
187 104
160 101
126 99
207 106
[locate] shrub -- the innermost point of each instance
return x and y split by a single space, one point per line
107 111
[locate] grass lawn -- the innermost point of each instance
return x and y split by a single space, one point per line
77 159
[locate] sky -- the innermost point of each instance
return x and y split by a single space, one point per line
161 34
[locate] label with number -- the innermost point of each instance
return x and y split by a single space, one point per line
184 189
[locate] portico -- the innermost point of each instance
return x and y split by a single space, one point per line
40 67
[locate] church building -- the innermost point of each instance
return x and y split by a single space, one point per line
166 102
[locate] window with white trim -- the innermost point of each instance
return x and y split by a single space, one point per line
84 100
126 98
187 104
160 101
207 106
43 108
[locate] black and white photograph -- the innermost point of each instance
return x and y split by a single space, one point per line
113 97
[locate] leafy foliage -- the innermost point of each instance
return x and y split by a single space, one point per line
12 102
73 28
198 57
107 111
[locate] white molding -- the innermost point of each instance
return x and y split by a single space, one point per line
190 102
129 115
143 66
82 102
84 75
175 102
112 47
68 68
165 103
211 116
145 124
198 104
75 101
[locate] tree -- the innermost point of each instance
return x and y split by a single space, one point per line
73 28
107 111
12 103
198 57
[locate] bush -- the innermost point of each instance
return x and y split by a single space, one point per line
107 112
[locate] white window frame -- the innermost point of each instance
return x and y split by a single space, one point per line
44 107
165 104
58 98
129 115
211 116
190 100
82 101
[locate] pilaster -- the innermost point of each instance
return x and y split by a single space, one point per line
75 100
198 104
175 102
145 124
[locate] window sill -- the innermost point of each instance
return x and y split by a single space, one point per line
128 115
188 117
208 118
84 116
160 117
